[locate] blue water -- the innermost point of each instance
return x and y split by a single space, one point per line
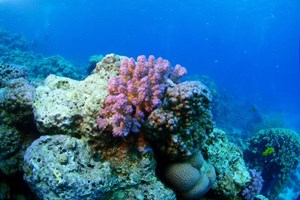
249 47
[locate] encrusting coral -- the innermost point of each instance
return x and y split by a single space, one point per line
178 128
232 173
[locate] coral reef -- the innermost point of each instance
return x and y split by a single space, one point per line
55 65
67 106
191 179
228 109
11 140
17 100
16 96
153 190
136 93
14 49
62 167
276 167
9 72
254 187
80 157
12 41
17 128
178 128
232 173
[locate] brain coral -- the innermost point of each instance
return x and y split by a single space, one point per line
275 167
178 128
188 180
183 176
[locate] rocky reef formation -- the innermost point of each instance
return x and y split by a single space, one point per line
17 128
62 167
109 135
232 174
14 49
67 106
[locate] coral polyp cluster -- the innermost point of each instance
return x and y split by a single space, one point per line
136 93
181 124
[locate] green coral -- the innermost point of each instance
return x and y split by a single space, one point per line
276 153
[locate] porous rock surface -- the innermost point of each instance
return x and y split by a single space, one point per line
60 167
63 167
67 106
17 129
227 158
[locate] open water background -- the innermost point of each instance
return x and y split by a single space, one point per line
248 47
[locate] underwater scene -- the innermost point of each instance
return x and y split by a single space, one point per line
150 100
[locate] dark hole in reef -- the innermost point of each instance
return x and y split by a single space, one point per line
90 166
18 187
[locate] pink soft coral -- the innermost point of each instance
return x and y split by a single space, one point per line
136 93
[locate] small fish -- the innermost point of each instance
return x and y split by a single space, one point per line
214 91
268 151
